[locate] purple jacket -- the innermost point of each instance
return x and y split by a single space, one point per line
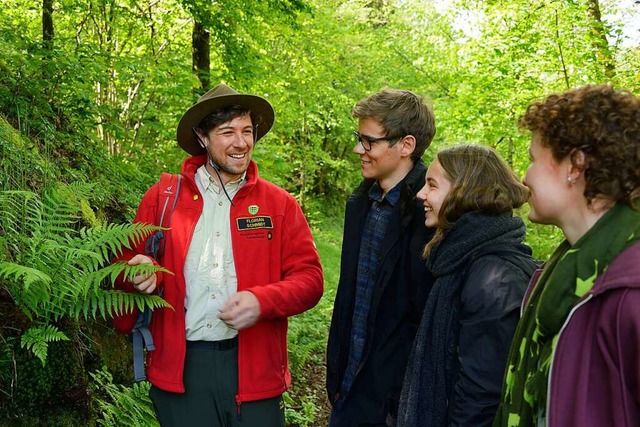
595 371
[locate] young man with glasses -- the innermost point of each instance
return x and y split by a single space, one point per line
383 279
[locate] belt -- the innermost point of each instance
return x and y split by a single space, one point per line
213 345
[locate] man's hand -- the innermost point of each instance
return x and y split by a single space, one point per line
145 283
241 310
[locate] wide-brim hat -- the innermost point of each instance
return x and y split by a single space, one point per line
219 97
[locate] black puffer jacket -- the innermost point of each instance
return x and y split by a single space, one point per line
454 376
401 288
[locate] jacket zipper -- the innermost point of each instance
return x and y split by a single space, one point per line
238 403
564 326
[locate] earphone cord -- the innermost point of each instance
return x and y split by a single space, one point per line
215 168
213 165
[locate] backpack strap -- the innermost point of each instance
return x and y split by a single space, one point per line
168 191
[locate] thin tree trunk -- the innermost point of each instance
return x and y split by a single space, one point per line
600 42
564 65
47 23
201 61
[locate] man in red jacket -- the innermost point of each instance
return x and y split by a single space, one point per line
243 260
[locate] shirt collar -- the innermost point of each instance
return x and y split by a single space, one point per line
392 196
209 182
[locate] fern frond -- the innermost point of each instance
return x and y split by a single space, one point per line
61 206
78 190
118 302
83 295
53 270
21 274
131 271
20 212
120 405
110 239
37 338
59 214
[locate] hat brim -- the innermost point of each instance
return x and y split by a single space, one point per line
259 107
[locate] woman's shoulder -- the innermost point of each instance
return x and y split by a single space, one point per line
504 259
496 281
492 269
623 272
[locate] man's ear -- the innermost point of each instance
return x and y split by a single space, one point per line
200 137
408 145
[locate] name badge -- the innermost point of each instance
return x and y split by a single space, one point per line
254 223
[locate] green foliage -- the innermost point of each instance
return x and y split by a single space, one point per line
57 395
52 270
100 104
305 402
235 25
101 90
300 413
37 339
120 405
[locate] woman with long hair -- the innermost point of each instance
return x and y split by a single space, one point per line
482 268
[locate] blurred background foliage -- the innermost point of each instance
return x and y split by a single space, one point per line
91 91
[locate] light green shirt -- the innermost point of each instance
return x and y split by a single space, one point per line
209 269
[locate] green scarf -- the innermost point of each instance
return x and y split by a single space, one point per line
567 276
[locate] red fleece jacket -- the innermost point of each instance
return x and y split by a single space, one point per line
275 259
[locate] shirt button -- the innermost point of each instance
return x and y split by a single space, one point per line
215 264
219 203
209 325
213 296
217 234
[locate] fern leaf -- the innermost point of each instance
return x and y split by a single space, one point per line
20 212
36 340
22 274
131 271
125 302
120 405
108 240
102 302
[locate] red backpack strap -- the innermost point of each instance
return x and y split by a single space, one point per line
168 191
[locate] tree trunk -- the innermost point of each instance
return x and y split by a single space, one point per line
600 42
47 23
201 61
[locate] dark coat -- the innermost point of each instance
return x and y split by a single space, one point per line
454 376
402 285
490 303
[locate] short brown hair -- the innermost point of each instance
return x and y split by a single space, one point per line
601 122
400 113
480 182
224 115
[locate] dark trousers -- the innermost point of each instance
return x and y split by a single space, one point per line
211 384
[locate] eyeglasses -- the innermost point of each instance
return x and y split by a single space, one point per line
366 141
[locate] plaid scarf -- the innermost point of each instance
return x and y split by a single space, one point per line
568 275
